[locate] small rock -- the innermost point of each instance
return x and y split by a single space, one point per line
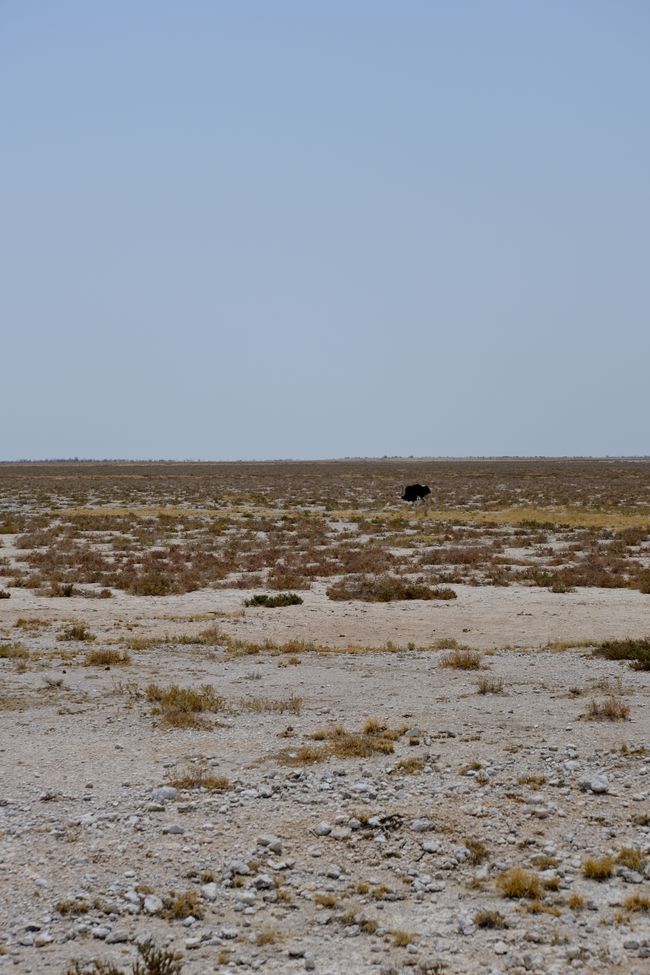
341 833
598 784
164 793
152 904
264 882
420 825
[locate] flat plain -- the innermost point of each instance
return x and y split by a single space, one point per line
423 746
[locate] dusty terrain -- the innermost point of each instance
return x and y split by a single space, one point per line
336 799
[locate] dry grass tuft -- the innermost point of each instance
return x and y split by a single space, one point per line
290 705
200 777
519 883
489 685
598 868
341 743
325 900
631 858
478 851
13 651
184 905
577 902
107 658
269 936
637 903
409 766
32 624
180 706
72 907
490 920
152 961
461 660
609 709
78 632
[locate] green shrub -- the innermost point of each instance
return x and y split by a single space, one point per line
282 599
636 651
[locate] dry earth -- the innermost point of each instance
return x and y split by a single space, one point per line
343 803
345 865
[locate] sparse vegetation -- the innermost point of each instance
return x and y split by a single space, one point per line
76 632
490 920
409 766
72 907
13 651
268 936
461 659
598 868
151 961
341 743
637 903
609 709
636 651
199 776
180 706
385 589
520 883
186 904
258 529
107 657
282 599
478 851
631 858
290 705
325 900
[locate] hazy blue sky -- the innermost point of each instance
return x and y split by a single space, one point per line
290 228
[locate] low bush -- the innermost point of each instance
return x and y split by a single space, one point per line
152 961
385 589
609 709
282 599
636 651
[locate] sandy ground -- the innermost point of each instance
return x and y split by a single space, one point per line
345 866
483 617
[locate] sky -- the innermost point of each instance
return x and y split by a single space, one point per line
300 229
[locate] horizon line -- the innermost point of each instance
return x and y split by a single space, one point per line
323 460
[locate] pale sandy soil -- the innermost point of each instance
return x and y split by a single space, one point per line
518 616
81 753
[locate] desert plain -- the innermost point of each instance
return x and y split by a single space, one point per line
270 717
